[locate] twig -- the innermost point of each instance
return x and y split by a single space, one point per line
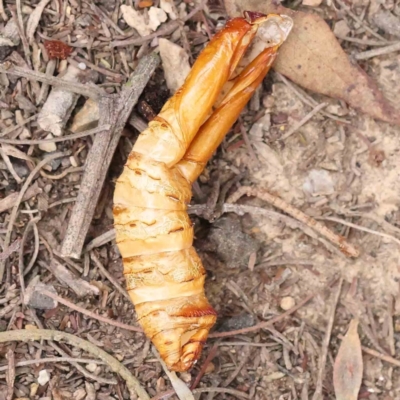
89 313
104 71
360 228
264 324
104 271
106 18
294 128
56 139
91 91
344 246
24 363
47 334
325 344
239 209
31 223
360 21
363 42
115 112
63 174
165 30
35 251
101 240
62 201
365 55
21 194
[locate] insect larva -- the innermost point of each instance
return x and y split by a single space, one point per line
165 276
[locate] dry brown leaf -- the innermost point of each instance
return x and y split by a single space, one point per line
348 368
313 58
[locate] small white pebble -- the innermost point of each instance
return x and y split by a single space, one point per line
91 367
43 377
82 66
48 147
287 303
73 161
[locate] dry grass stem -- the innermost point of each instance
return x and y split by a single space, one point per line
344 246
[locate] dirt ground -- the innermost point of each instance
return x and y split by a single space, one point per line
345 175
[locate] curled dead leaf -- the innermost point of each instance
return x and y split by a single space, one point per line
313 58
348 368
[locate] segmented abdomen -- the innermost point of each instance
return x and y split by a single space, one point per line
164 274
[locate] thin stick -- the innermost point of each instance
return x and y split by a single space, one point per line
344 246
91 91
264 324
293 129
89 313
101 240
21 268
360 228
73 136
38 334
104 271
239 209
360 21
363 42
115 112
325 344
365 55
104 71
24 363
21 194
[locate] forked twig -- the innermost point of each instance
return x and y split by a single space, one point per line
344 246
114 112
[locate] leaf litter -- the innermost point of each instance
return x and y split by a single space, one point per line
288 265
